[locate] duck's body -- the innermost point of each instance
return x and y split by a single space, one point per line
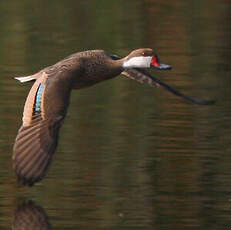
86 68
48 99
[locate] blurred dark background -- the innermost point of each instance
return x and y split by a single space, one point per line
130 156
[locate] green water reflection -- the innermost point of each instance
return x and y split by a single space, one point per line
130 156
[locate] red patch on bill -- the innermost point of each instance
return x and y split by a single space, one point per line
155 61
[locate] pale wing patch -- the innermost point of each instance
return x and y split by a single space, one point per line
29 108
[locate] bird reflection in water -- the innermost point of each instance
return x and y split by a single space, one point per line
29 216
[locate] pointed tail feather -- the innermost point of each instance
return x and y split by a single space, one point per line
26 78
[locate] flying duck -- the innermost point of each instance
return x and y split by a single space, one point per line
47 102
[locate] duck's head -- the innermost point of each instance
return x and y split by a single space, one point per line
144 58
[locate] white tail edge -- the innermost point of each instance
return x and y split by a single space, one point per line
25 79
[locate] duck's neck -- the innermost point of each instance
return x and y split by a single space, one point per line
118 64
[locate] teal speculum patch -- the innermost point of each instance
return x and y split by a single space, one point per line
38 99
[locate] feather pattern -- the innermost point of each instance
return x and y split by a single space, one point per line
37 138
38 99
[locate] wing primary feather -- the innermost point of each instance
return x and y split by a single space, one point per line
143 76
32 157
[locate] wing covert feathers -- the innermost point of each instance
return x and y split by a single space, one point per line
28 111
140 76
37 138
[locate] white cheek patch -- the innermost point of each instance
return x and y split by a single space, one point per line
138 62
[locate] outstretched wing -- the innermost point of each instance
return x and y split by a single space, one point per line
144 76
37 139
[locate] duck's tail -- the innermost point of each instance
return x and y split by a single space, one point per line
26 78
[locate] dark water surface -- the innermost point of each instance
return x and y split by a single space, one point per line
130 156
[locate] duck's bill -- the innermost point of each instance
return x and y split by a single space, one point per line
161 66
157 65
